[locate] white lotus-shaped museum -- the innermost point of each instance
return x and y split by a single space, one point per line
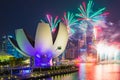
45 46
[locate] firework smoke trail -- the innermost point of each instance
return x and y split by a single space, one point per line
90 18
97 30
69 20
108 46
53 22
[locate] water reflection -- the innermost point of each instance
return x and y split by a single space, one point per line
99 72
108 72
71 76
92 72
86 71
82 72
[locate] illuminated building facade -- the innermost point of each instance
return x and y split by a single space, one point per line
45 46
71 51
8 48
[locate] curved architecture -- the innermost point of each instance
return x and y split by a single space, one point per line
47 45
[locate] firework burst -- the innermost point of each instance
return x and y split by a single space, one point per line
87 13
89 19
53 22
69 20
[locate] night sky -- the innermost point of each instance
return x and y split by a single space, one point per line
26 14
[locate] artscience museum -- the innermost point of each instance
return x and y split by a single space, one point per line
46 46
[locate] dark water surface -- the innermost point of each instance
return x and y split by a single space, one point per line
89 71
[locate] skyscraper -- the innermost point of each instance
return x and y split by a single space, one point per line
7 47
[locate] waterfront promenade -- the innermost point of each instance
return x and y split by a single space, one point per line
35 73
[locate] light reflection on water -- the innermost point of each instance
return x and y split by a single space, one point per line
92 72
108 72
71 76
